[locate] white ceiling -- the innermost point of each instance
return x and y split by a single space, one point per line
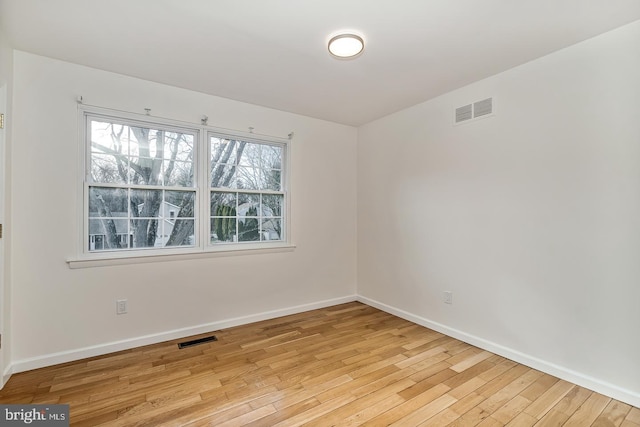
273 52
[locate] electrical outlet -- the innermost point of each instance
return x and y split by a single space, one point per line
447 297
121 306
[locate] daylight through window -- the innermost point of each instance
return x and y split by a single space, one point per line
246 191
144 189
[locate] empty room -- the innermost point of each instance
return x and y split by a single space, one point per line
320 213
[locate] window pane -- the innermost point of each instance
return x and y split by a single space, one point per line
104 169
261 156
258 179
178 146
109 138
181 203
223 176
144 142
147 233
223 204
258 165
145 171
141 156
248 204
223 150
223 230
250 155
272 157
272 180
272 204
159 156
108 233
248 225
271 229
248 229
250 178
146 203
179 232
178 174
108 202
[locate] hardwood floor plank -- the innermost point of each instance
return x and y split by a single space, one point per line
347 365
370 412
428 383
613 414
425 412
464 389
441 419
286 413
374 384
427 354
508 392
220 417
352 386
409 406
249 417
523 420
470 373
360 404
634 416
467 403
471 361
471 418
315 412
511 409
549 399
586 414
489 422
312 391
540 386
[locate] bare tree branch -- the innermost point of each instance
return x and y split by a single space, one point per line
119 157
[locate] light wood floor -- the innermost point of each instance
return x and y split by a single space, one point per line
346 365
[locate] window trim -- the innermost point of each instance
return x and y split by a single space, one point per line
202 247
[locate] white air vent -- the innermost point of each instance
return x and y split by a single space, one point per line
475 110
464 113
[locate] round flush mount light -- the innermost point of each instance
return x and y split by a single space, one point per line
346 45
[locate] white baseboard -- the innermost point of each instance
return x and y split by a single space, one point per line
6 375
101 349
586 381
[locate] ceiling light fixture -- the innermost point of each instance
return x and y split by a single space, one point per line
346 45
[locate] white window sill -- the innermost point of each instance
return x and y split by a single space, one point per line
108 259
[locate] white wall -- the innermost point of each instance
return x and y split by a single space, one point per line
531 217
6 89
56 309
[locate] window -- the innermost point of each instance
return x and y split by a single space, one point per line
246 191
144 190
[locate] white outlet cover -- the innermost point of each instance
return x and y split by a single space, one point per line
121 306
447 297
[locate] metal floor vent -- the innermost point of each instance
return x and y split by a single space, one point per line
196 342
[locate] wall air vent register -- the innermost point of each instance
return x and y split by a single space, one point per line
473 111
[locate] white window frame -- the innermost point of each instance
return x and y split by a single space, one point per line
202 155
